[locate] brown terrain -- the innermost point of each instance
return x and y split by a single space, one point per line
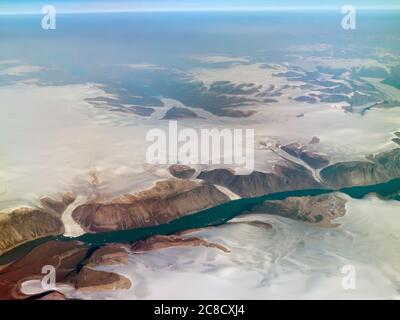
258 224
89 279
110 254
75 264
162 242
181 171
313 159
319 209
94 280
286 177
166 201
58 206
66 257
375 169
27 224
53 295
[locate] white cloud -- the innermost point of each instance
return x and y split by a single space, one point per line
220 59
20 70
7 62
144 66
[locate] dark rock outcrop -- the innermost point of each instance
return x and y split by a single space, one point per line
142 111
53 295
181 171
179 113
307 99
58 206
284 177
381 168
227 87
313 159
394 78
373 72
314 140
235 113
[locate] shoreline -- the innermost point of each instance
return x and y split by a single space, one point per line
210 217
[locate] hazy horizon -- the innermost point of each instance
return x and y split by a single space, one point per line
101 6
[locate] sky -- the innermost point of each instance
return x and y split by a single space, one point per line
34 6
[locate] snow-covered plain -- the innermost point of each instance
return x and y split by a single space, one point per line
290 261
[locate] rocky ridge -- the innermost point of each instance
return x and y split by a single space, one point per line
166 201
